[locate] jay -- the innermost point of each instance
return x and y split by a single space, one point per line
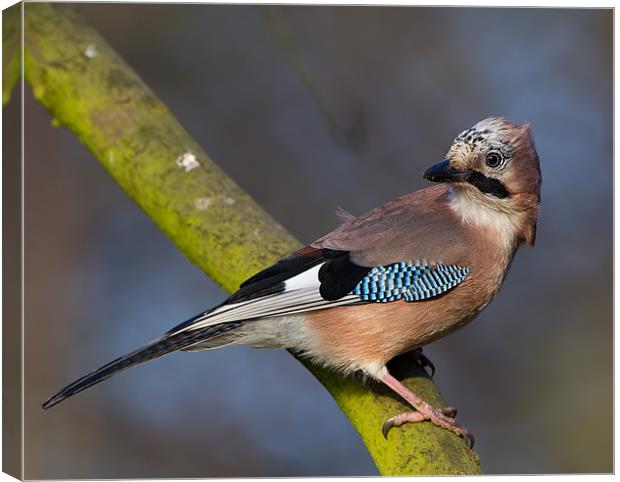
387 282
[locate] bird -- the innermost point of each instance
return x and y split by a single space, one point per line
385 283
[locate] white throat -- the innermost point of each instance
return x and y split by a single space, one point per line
477 209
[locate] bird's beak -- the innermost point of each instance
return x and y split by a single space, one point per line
443 172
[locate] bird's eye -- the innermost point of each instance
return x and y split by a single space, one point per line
493 159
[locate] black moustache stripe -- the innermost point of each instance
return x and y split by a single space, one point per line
488 185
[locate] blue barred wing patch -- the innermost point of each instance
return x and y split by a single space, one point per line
409 281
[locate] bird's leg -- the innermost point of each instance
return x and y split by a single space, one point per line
441 417
420 359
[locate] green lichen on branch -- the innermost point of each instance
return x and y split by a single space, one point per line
11 51
90 90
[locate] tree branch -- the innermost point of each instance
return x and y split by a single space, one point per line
90 90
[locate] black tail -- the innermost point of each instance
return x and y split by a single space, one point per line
162 346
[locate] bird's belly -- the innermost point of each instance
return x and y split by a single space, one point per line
367 337
279 332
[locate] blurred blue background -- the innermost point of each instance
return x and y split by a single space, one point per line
310 108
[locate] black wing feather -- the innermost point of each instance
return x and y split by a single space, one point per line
271 280
338 275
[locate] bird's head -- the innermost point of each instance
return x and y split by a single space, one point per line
494 166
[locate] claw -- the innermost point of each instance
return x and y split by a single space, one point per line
387 426
423 361
449 411
469 440
401 419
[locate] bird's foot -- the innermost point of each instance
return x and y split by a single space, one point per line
420 359
440 417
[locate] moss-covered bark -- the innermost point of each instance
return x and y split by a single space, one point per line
90 90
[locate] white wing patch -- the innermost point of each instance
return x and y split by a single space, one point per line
300 294
307 280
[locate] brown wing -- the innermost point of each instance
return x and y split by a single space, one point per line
418 226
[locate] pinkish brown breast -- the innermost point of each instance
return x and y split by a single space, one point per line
354 337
